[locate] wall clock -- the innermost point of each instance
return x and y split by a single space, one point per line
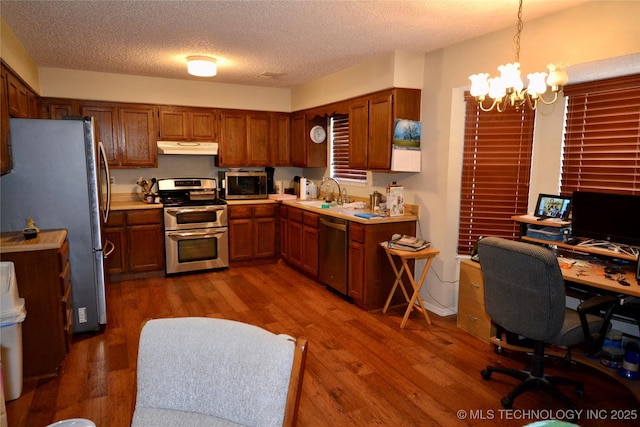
318 134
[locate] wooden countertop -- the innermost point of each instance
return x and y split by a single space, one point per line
14 241
121 202
129 201
349 213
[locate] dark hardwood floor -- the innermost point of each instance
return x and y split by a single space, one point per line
362 369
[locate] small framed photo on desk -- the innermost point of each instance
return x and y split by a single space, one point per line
550 206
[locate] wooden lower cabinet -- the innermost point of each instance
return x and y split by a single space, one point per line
252 232
370 274
303 240
44 281
472 316
138 238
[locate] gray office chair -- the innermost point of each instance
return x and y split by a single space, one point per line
525 294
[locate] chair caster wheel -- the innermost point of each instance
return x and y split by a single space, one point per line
486 374
507 402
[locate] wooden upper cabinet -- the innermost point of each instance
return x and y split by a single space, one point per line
204 125
381 122
18 97
187 124
298 139
57 109
173 124
106 121
233 139
258 139
371 121
358 133
304 152
137 137
17 100
6 161
281 139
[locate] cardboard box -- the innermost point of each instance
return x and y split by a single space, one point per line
395 200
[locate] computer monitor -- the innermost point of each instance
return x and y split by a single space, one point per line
606 216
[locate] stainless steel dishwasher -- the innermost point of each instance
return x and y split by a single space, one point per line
334 253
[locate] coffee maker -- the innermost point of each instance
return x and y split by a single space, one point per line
271 187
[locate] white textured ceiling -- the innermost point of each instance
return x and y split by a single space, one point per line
298 41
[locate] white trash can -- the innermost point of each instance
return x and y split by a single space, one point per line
12 314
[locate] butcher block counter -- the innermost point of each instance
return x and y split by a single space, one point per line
47 239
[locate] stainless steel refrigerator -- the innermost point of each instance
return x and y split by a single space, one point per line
60 178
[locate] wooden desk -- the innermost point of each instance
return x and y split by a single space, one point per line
405 257
591 274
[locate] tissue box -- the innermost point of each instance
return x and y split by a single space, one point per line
395 200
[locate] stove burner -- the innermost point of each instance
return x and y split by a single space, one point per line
189 192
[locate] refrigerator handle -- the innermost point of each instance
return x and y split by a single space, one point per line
106 252
103 160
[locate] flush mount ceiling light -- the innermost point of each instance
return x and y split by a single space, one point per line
202 66
508 89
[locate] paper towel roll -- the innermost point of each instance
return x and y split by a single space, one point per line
303 188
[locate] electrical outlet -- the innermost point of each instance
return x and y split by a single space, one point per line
112 179
82 315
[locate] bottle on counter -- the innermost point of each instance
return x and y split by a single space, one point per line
303 188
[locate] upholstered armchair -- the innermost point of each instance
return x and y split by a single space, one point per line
215 372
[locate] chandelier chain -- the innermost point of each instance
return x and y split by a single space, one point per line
516 38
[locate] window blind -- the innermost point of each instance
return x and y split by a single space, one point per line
495 172
602 137
340 150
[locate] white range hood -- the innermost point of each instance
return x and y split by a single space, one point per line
188 148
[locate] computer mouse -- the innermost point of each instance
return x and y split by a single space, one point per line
610 270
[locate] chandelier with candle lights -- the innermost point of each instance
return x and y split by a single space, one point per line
508 88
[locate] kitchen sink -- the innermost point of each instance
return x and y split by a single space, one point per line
316 203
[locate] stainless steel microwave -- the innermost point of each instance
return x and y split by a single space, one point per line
243 185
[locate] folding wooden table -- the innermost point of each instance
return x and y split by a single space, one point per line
405 257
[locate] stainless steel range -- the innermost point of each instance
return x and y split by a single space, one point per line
195 225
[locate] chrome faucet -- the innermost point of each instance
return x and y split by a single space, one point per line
344 196
327 194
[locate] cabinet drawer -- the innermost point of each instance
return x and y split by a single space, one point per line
65 278
471 287
264 211
63 255
238 212
356 232
67 315
283 212
310 219
295 214
144 216
116 219
477 324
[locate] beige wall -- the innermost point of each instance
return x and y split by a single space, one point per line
13 53
585 37
76 84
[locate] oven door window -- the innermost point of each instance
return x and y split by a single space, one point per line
197 250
